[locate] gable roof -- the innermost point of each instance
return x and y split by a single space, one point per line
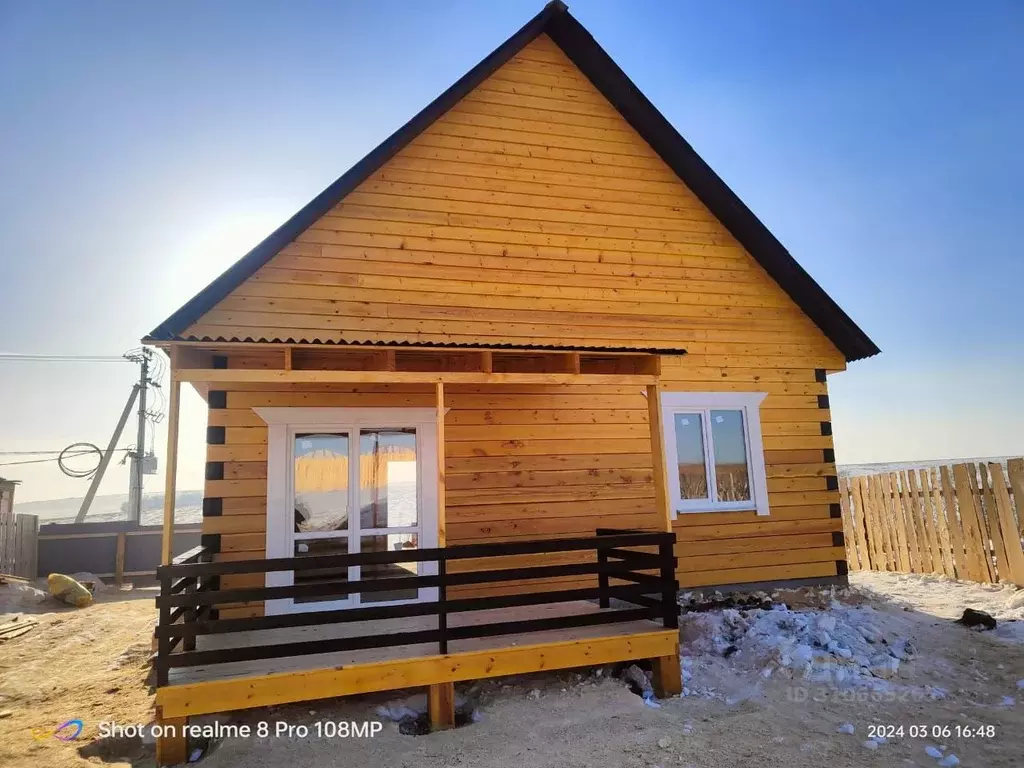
568 34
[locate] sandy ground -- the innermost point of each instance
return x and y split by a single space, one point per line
88 663
63 670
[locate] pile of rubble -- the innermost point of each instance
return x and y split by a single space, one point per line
844 645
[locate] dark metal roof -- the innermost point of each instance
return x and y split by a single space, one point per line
440 345
556 21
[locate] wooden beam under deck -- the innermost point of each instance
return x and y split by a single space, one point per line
216 696
239 376
171 471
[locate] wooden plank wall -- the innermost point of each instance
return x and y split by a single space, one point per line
962 521
802 537
533 213
531 461
530 213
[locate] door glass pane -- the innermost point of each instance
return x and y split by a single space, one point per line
321 482
389 542
693 478
387 478
732 478
313 547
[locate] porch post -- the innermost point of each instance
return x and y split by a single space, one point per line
658 456
439 392
171 471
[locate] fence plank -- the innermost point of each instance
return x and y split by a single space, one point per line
885 523
874 529
977 543
1003 521
860 523
852 556
934 560
898 523
932 502
924 555
913 545
1015 469
992 525
956 534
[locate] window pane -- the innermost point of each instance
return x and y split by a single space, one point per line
693 480
387 478
312 548
321 482
389 542
732 478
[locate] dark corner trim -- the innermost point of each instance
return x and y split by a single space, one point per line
215 435
841 568
831 483
215 470
838 539
219 361
217 399
826 428
819 375
829 455
823 401
213 506
835 511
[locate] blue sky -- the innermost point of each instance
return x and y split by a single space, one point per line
145 147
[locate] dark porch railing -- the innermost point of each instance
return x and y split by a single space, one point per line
190 591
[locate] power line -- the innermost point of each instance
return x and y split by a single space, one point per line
57 358
52 458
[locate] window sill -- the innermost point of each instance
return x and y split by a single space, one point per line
713 511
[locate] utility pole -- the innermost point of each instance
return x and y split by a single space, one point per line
136 467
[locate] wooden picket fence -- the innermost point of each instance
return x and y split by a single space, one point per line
18 544
963 521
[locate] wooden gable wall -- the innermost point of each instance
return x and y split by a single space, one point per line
529 213
532 213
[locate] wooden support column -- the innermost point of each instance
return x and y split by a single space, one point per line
441 706
667 678
119 559
171 471
172 747
658 456
439 391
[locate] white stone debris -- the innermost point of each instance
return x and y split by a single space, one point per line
933 752
1020 684
949 760
845 728
1008 701
843 645
870 744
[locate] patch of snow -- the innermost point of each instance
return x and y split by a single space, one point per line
845 728
949 760
933 752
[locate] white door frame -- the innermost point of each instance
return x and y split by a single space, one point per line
282 426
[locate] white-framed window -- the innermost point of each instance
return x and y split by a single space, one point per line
714 454
346 481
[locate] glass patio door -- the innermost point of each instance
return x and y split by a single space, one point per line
354 488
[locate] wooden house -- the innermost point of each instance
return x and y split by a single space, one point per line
545 355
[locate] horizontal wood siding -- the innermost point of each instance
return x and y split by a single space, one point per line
530 213
797 539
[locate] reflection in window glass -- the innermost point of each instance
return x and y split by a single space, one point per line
315 547
732 478
321 482
389 542
387 478
693 480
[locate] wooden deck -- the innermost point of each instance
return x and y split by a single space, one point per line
198 674
241 685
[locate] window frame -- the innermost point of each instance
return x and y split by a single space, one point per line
283 424
703 403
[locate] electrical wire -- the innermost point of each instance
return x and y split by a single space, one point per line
56 358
